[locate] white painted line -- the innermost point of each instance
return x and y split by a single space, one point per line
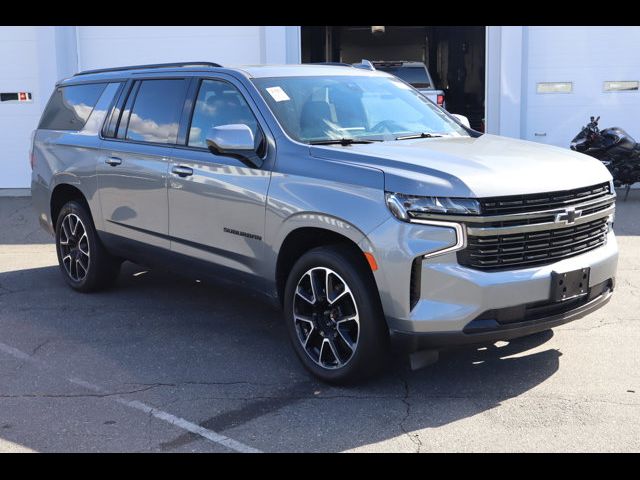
210 435
14 352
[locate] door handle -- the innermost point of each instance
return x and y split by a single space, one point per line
182 171
113 161
540 134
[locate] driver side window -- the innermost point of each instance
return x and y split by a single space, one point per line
218 103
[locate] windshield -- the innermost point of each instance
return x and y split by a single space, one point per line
416 76
318 108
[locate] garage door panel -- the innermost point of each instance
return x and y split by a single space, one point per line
558 125
108 46
588 86
584 46
587 57
138 32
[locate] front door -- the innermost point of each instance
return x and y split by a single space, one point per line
217 203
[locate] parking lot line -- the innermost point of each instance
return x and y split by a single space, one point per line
143 407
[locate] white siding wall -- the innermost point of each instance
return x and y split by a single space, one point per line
34 58
520 57
19 72
111 46
586 56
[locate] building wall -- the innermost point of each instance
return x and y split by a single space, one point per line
34 58
101 47
20 71
518 58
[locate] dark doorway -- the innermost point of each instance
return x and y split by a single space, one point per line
455 56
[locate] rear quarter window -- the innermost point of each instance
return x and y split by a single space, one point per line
70 107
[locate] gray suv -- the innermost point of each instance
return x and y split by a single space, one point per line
370 215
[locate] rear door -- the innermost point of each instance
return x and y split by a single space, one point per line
217 209
132 174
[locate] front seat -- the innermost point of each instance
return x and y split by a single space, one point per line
314 119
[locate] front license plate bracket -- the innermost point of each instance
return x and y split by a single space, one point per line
567 285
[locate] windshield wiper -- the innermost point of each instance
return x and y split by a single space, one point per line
342 141
418 135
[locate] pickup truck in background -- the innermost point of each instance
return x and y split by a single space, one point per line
414 73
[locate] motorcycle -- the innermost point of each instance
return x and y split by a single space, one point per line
615 148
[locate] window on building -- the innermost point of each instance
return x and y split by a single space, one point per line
155 114
218 103
621 86
70 107
554 87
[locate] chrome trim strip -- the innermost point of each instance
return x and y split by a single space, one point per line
536 227
461 238
514 216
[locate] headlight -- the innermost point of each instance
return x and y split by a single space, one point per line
406 207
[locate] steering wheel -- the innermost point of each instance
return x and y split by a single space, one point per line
388 125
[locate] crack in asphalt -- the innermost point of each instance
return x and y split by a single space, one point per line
213 384
76 395
39 346
413 437
594 327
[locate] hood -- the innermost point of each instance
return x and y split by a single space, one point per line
485 166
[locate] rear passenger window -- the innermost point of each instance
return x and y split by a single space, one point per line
155 114
70 107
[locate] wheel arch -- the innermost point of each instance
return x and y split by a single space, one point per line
63 193
305 237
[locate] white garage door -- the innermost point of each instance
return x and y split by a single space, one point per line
585 57
20 67
101 47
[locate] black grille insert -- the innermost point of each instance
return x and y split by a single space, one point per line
542 201
531 249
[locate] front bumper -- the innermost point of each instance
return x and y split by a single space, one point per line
487 331
452 296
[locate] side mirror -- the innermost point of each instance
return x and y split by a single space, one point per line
234 140
462 119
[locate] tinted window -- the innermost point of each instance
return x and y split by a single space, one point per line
416 76
218 103
70 107
156 111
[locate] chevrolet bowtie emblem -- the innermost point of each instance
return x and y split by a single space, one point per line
569 215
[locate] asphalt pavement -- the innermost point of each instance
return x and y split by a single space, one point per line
162 363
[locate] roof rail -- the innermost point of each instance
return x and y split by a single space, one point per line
338 64
153 65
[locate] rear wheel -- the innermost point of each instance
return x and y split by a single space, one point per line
85 263
334 316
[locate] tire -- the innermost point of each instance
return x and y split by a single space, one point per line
347 340
84 262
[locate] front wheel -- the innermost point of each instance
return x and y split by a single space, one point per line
85 263
334 316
